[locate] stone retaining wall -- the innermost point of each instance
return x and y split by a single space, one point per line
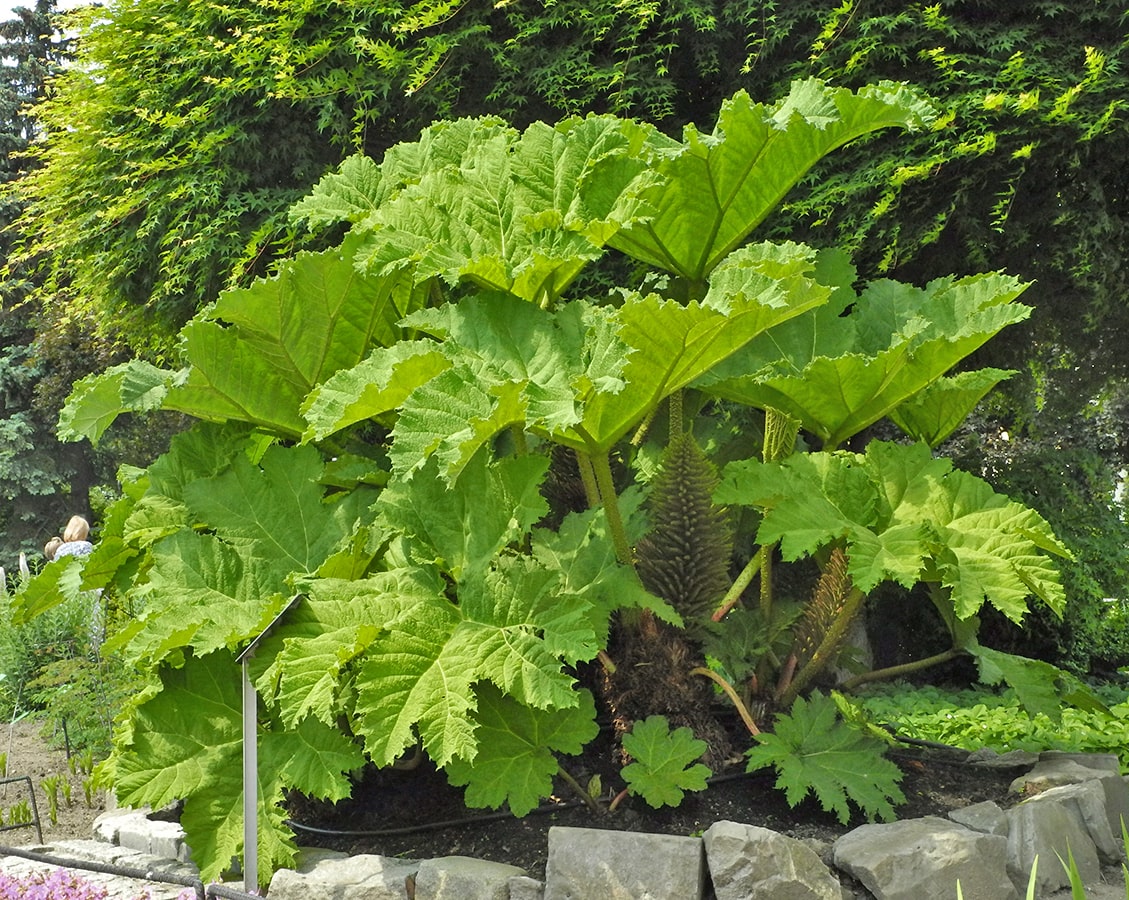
1075 807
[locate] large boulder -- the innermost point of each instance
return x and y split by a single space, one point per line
617 865
924 859
747 862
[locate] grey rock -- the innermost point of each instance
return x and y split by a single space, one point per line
594 864
463 878
362 877
1089 801
1057 769
747 862
990 759
1045 829
923 859
986 817
522 887
1103 763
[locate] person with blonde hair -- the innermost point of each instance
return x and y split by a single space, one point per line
74 541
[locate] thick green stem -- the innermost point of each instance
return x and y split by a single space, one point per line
742 710
605 485
644 427
909 668
733 595
588 479
765 554
674 410
827 647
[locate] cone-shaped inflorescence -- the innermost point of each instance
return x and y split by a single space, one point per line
685 556
826 606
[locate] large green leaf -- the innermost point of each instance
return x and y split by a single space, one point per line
513 364
896 341
815 752
257 353
671 345
57 582
509 213
97 400
376 386
665 763
360 185
720 186
515 763
583 553
907 517
462 527
186 744
300 663
278 508
205 594
937 411
513 628
266 522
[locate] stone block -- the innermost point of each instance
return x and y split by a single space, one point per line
596 864
1102 763
1055 769
987 758
924 859
1044 828
464 878
523 887
133 833
986 817
362 877
747 862
108 824
1088 802
166 839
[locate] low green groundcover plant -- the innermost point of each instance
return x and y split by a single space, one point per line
549 437
973 718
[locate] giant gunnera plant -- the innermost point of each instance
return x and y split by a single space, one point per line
548 411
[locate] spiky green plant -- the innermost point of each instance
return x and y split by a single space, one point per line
685 556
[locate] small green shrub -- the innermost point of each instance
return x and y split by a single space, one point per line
28 649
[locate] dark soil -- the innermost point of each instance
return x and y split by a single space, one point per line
417 814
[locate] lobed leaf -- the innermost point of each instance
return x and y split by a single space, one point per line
97 400
376 386
462 528
886 347
907 517
509 214
936 412
663 763
511 629
754 156
582 552
205 594
516 761
671 345
258 352
278 508
186 744
300 664
513 364
815 752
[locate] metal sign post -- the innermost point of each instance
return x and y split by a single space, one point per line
251 757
